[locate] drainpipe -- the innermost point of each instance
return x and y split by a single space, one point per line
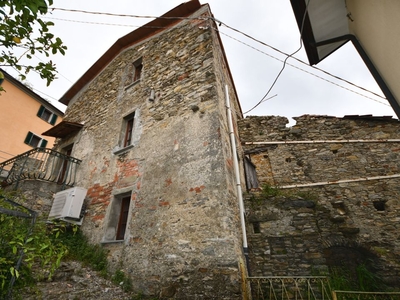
237 177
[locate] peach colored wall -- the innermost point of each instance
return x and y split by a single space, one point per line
18 115
376 25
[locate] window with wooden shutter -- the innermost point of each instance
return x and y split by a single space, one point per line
35 141
128 132
117 218
47 115
123 218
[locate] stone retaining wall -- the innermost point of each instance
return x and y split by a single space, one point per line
350 216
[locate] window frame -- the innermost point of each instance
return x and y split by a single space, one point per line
129 122
135 72
43 111
41 143
127 133
118 218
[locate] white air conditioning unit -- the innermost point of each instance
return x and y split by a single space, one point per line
67 205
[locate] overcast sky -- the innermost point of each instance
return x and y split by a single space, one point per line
271 21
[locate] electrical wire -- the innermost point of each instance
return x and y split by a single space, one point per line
299 60
246 35
284 63
129 16
310 73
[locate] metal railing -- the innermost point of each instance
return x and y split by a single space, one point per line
40 163
290 288
356 295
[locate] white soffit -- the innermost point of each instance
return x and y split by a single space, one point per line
328 20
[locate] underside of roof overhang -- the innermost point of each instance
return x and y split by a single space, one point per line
322 23
63 129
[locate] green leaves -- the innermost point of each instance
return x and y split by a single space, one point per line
23 29
38 245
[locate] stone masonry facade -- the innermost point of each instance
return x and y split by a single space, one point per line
182 237
338 202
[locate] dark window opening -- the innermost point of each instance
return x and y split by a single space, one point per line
379 205
138 72
134 73
123 218
128 130
256 227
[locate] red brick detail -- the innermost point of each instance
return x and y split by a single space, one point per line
197 189
163 203
128 168
98 217
183 76
229 163
168 182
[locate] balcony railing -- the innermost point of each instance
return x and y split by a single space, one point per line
42 164
290 288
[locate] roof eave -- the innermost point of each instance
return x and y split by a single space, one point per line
157 25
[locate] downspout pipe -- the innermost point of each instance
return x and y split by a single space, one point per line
237 177
370 65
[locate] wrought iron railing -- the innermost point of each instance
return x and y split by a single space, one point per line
40 163
290 288
356 295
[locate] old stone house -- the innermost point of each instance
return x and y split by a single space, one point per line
149 124
337 204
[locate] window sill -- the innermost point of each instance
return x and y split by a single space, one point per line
132 84
122 150
112 241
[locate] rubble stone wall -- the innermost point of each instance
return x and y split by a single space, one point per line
351 214
183 234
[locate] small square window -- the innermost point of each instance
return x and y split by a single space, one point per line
134 72
35 141
118 218
47 115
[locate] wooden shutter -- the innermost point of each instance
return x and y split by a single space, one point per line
53 119
128 132
43 144
28 138
41 110
123 218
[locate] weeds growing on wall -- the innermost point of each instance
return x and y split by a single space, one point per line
81 250
360 279
268 191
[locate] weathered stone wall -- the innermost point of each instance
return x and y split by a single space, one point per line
36 195
183 236
344 219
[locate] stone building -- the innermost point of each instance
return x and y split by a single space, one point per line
337 203
156 158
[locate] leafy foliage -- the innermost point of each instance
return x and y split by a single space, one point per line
81 250
36 244
22 28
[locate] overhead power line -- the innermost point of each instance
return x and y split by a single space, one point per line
240 32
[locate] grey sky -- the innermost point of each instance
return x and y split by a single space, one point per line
271 21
